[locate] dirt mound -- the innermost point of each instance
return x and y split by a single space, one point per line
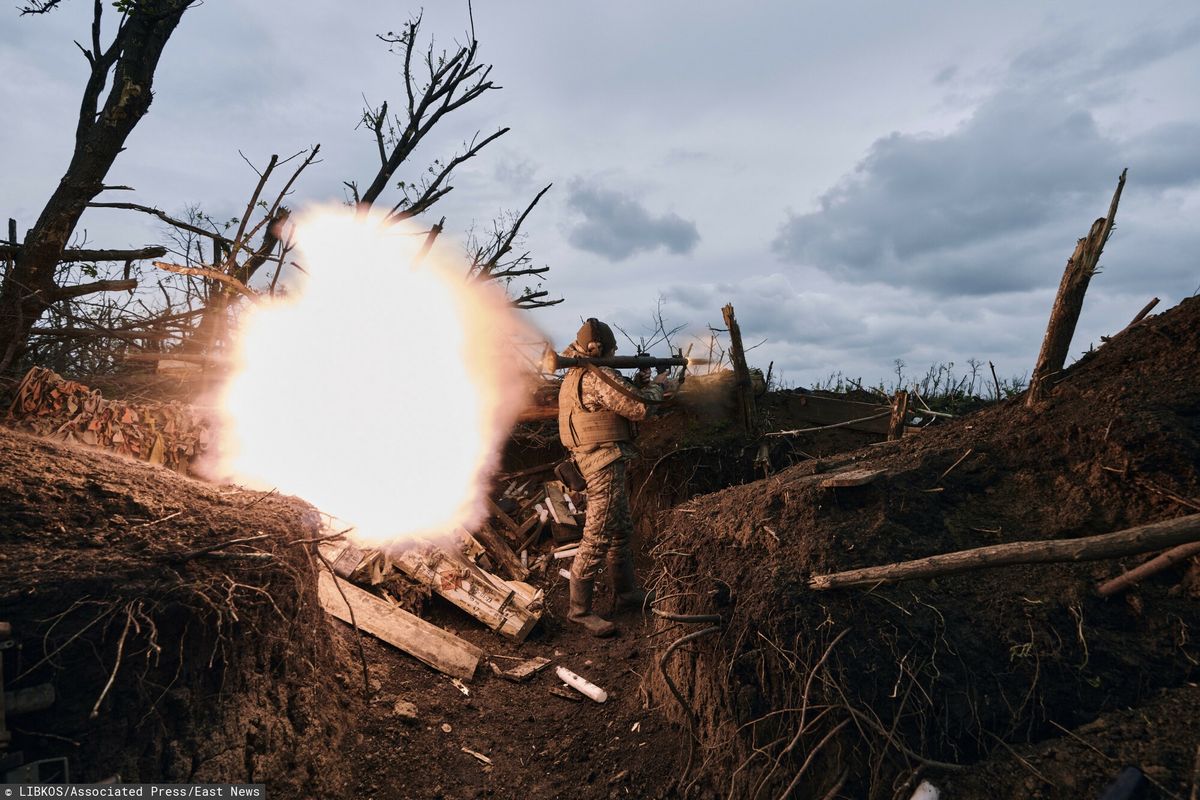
869 688
174 620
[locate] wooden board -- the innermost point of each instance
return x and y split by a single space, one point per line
851 477
525 670
427 643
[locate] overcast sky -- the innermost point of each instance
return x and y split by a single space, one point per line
864 181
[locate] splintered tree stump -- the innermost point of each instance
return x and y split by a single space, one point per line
1131 541
1068 303
899 414
741 371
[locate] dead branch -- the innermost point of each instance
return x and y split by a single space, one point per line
81 289
75 254
1131 541
213 274
175 223
487 261
1141 315
433 191
451 82
1152 567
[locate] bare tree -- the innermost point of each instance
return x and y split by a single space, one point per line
436 83
30 284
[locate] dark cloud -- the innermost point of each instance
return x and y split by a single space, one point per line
616 226
991 205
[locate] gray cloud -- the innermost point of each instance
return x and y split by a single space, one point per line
616 226
989 206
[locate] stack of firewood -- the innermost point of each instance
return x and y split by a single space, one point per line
172 434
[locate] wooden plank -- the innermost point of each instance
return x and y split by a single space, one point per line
851 477
427 643
525 670
565 534
464 583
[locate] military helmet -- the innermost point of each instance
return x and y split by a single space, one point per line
593 330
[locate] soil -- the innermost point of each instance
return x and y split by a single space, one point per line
882 683
230 672
220 674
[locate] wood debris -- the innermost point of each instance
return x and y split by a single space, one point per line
523 671
172 434
426 642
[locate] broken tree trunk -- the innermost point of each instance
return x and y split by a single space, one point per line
899 414
1131 541
1151 567
427 643
741 371
1069 302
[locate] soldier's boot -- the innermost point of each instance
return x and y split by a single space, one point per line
627 595
580 611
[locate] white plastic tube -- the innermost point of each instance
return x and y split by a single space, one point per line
926 791
581 684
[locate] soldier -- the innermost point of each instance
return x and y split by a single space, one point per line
595 408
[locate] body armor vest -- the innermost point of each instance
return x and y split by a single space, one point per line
578 427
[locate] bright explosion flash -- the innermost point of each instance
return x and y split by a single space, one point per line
380 392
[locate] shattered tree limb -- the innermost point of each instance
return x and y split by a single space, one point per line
1131 541
1068 303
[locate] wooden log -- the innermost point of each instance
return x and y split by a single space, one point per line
1068 304
501 554
1151 567
1131 541
427 643
737 355
899 414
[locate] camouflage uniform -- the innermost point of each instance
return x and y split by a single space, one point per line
609 525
